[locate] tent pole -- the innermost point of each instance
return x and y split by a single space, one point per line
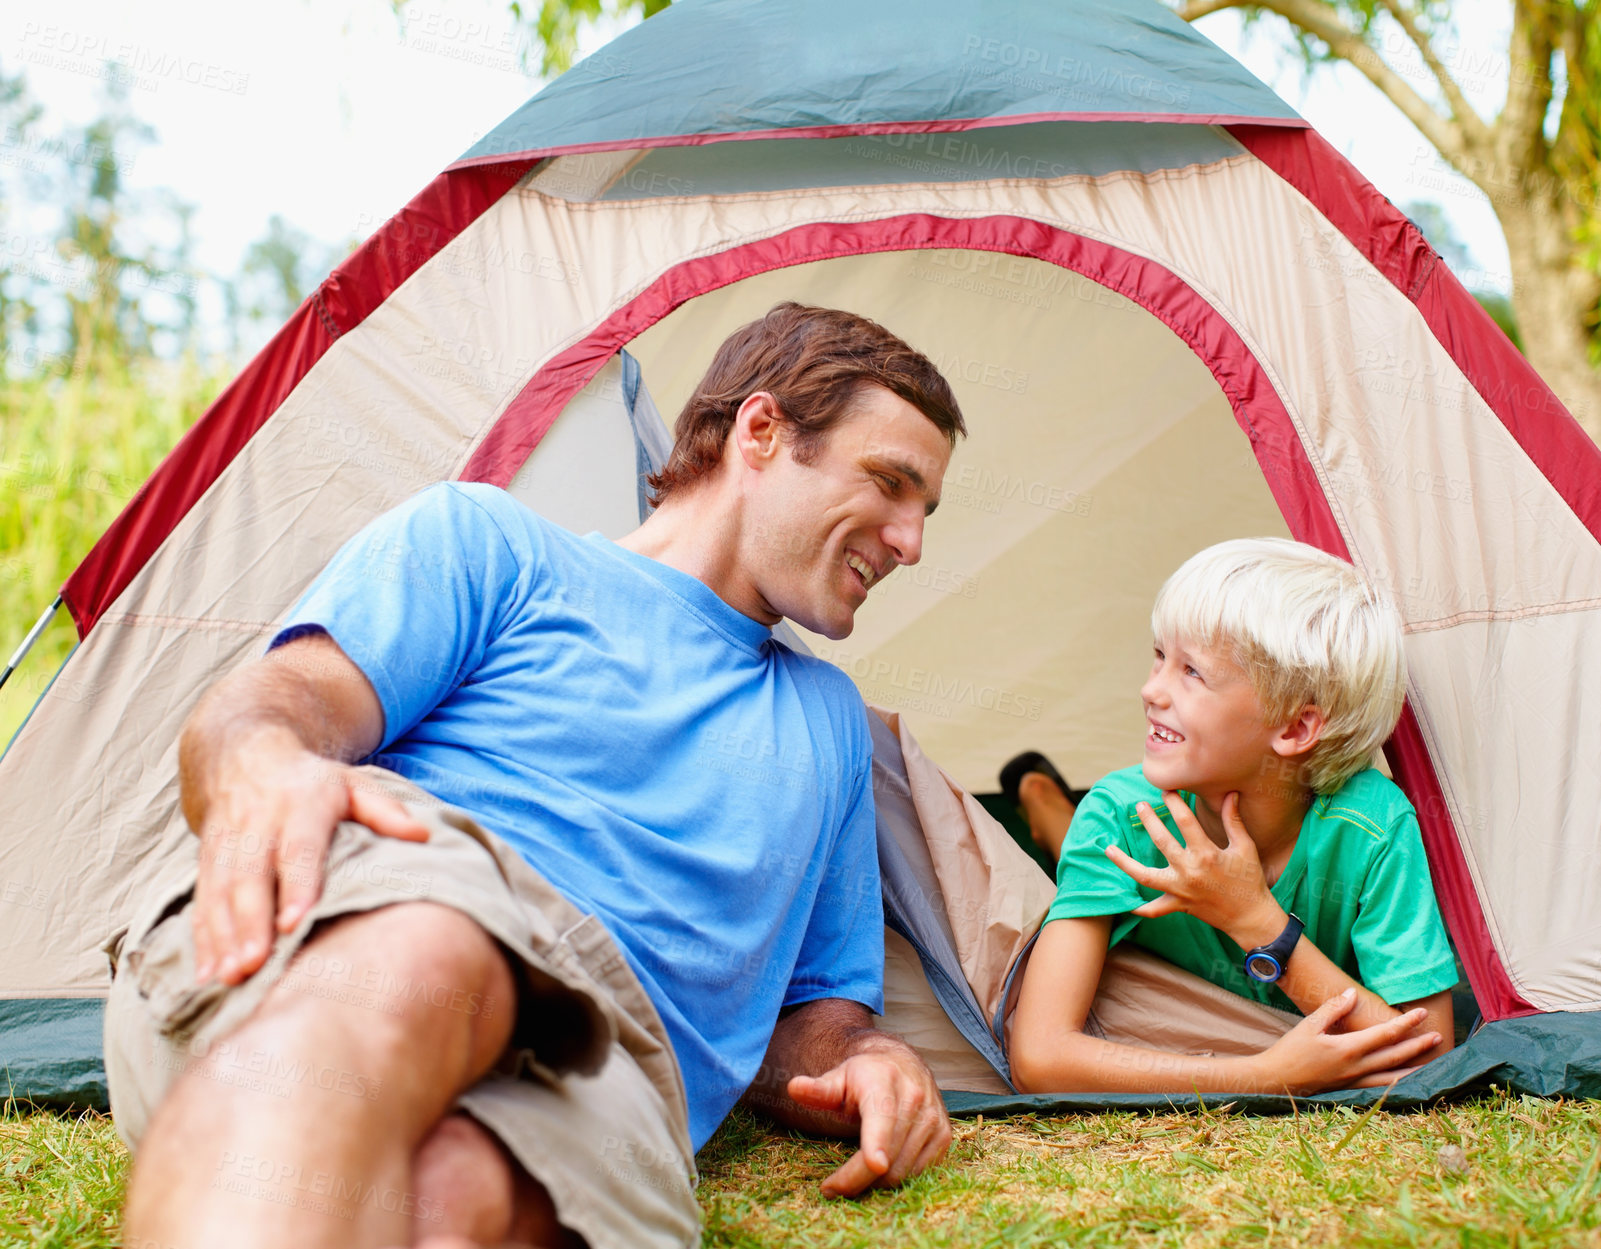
28 641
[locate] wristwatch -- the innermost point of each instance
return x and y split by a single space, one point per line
1266 963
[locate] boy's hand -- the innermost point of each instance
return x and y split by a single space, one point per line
1311 1058
1222 887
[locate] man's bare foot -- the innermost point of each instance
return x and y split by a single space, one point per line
1047 809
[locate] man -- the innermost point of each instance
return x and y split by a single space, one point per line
377 1023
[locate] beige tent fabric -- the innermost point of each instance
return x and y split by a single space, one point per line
994 894
1145 1000
1502 687
913 1013
1434 496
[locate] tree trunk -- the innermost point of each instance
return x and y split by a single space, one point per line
1553 296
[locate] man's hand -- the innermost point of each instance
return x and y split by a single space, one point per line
886 1089
1222 887
265 802
1310 1058
868 1084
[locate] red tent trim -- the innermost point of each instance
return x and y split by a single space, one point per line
360 284
1558 445
1255 403
938 126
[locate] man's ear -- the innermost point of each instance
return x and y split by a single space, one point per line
1302 733
758 431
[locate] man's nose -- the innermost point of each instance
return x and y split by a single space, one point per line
904 537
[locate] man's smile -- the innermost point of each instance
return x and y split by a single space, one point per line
866 571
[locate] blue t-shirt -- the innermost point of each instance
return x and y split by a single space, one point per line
658 756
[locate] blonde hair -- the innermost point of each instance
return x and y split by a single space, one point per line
1306 628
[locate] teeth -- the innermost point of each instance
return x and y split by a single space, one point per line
862 567
1166 735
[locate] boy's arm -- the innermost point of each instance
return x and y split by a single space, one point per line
1312 978
1051 1053
1224 888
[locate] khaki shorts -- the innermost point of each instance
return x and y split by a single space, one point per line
589 1100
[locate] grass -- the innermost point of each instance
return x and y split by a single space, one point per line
1502 1170
1529 1173
61 1179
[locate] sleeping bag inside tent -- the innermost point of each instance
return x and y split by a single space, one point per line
1172 314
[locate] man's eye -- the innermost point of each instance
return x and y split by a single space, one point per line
892 484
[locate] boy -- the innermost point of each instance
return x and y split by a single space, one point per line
1254 847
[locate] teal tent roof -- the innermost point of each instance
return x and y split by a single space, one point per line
709 69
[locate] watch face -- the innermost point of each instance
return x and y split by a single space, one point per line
1263 967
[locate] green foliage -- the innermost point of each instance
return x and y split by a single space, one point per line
556 24
73 451
1500 309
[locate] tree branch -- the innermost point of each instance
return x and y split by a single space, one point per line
1520 130
1200 8
1473 124
1322 21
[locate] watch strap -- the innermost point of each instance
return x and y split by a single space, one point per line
1266 963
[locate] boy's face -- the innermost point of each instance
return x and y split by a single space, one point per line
1204 725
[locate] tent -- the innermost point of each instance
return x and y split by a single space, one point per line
1173 314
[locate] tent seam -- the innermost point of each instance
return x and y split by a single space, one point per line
1492 616
320 306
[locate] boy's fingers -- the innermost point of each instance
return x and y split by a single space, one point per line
1234 826
1397 1056
1157 907
1165 841
1380 1078
301 852
1180 811
1139 871
1335 1009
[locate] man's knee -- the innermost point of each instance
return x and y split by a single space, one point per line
408 960
397 982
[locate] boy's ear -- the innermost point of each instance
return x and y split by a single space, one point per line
1300 734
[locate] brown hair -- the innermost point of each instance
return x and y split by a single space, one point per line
812 361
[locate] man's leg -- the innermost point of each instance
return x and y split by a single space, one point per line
320 1150
471 1189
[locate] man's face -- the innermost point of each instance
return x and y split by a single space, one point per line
821 535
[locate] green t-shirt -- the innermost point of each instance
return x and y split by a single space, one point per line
1357 879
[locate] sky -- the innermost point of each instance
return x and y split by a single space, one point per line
334 114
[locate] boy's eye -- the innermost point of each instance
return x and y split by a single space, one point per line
1189 671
